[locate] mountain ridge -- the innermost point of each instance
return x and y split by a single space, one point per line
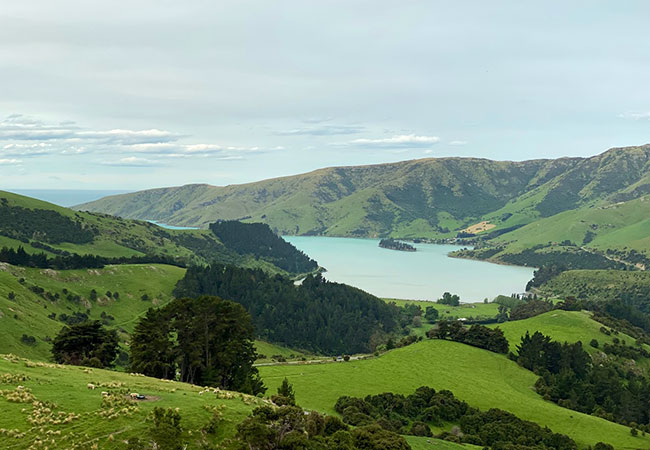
430 198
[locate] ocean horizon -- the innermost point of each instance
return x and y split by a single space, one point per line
68 197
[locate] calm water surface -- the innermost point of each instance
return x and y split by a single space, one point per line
424 274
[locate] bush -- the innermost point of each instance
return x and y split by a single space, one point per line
594 343
166 430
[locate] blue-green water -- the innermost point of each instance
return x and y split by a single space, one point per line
424 274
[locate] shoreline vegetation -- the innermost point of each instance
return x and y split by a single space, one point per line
393 244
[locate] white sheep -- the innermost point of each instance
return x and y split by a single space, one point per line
91 386
134 395
104 394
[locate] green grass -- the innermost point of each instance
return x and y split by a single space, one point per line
28 312
597 284
268 350
66 387
484 379
569 326
464 310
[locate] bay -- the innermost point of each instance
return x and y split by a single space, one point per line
422 275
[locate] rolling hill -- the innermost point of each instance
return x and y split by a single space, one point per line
481 378
41 227
598 202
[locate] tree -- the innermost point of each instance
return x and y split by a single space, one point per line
286 390
152 350
449 299
208 340
86 344
431 314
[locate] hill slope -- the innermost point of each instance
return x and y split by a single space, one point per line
481 378
428 197
39 226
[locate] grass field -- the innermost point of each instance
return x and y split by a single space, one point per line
484 379
569 326
464 310
28 312
66 388
597 284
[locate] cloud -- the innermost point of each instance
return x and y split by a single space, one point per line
9 162
458 143
635 115
132 161
129 137
324 130
398 141
26 150
23 136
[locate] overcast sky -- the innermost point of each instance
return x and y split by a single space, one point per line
139 94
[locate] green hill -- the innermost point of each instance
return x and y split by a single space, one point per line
569 326
598 202
41 227
43 297
59 411
481 378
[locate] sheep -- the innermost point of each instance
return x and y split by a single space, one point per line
134 395
91 386
104 394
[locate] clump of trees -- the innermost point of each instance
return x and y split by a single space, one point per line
317 315
259 240
42 225
413 414
568 377
449 299
209 341
289 427
491 339
86 344
68 261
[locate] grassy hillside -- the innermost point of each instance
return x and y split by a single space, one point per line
598 284
481 378
569 326
30 312
64 394
41 227
595 201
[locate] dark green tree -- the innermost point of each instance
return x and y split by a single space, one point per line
152 349
87 344
449 299
431 314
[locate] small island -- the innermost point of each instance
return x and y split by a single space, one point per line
392 244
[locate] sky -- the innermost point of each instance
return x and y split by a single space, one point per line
141 94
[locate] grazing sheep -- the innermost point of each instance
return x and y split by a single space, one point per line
134 395
104 394
91 386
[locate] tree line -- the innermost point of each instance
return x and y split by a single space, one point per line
69 261
259 240
415 413
45 225
609 389
316 315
